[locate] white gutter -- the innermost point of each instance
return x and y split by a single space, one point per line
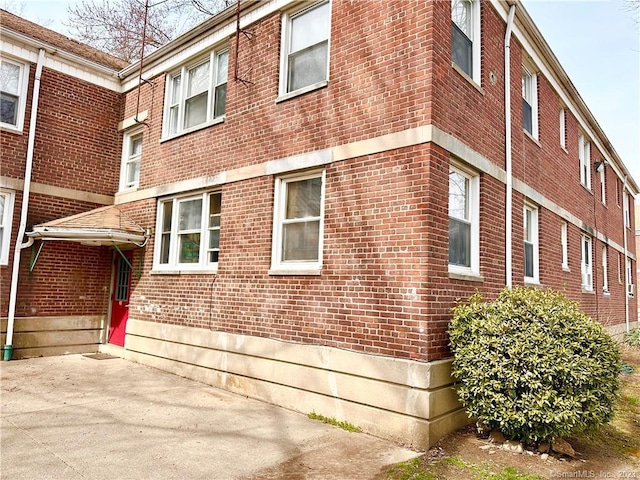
626 211
8 349
507 141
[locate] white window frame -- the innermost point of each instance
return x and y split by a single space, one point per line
474 220
603 185
475 38
565 245
629 273
173 264
584 154
285 41
295 267
619 267
6 224
23 83
626 209
180 103
129 158
586 244
530 94
563 128
534 211
605 269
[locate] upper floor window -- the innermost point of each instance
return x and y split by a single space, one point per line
196 94
531 261
298 223
563 128
13 93
6 217
464 243
587 265
603 185
188 232
584 154
626 209
131 155
529 102
465 36
305 48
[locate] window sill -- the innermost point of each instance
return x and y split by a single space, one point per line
302 91
215 121
10 129
564 149
565 269
310 271
530 282
606 293
184 272
586 188
531 137
473 83
468 277
588 290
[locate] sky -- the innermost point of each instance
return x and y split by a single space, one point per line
596 41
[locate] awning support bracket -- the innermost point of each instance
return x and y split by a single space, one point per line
34 258
138 271
124 257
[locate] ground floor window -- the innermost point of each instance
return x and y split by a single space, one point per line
587 265
6 217
463 221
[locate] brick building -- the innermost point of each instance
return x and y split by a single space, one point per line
295 196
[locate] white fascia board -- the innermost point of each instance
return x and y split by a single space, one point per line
555 78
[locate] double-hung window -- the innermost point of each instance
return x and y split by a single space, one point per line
305 48
188 232
6 217
531 260
563 128
529 101
464 241
13 93
603 185
465 36
605 270
630 286
565 246
298 223
131 156
626 209
587 265
584 154
196 94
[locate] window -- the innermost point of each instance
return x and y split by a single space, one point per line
298 223
618 192
465 36
619 267
603 185
531 261
563 128
630 285
463 222
587 266
196 94
305 48
565 246
584 153
529 102
626 208
605 273
188 232
131 155
6 219
13 89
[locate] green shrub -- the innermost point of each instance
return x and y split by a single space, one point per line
633 337
532 365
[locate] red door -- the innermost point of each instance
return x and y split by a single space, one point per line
120 299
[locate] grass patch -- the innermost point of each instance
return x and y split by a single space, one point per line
349 427
409 470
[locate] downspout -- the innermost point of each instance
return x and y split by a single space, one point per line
626 254
8 348
507 140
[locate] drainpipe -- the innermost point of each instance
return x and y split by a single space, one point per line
626 254
8 348
507 141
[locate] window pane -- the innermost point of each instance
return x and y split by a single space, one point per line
133 173
303 198
8 109
196 110
214 239
528 259
2 200
215 200
189 248
173 119
136 146
190 213
310 28
220 103
300 241
461 15
461 50
527 116
175 89
458 195
459 243
308 67
527 226
9 78
164 248
223 63
167 210
198 79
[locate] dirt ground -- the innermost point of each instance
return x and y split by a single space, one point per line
611 452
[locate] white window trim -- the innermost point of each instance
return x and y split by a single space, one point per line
533 87
174 265
474 219
584 154
605 268
126 148
23 83
563 128
278 266
629 274
603 186
476 36
586 268
284 52
535 242
626 209
9 198
212 57
565 246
